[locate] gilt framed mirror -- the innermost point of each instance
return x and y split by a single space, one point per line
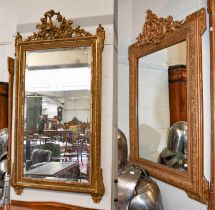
58 108
166 102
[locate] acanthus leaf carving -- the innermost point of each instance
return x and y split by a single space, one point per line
62 29
155 28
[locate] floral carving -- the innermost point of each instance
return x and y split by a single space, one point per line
155 28
62 29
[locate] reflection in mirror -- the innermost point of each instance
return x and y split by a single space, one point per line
57 114
162 107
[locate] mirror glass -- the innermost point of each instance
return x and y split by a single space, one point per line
162 107
57 114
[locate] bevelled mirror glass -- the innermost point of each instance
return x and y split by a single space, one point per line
165 93
57 114
58 108
162 107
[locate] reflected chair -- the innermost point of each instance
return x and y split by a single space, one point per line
39 157
72 152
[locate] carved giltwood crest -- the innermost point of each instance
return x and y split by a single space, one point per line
62 29
156 28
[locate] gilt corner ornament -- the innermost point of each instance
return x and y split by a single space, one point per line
155 28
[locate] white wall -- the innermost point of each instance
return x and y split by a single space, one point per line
124 39
7 30
23 15
69 8
77 107
131 20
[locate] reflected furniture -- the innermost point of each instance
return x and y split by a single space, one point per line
65 134
78 126
39 157
159 34
177 93
52 169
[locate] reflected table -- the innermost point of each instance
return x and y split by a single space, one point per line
51 169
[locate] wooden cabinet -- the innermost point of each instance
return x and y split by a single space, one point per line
3 105
177 93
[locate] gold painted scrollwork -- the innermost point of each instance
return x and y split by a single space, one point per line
156 28
49 30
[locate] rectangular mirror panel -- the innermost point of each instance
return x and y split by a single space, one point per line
57 117
162 107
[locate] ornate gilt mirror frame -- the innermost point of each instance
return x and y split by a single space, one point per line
159 33
51 36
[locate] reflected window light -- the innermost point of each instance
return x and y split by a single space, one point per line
55 80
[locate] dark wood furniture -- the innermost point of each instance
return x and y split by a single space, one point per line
51 169
3 105
177 93
77 126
